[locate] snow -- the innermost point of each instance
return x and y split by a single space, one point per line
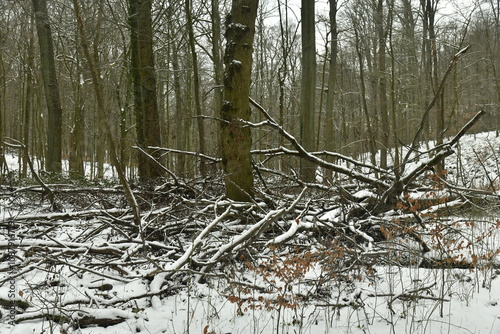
236 63
391 299
238 26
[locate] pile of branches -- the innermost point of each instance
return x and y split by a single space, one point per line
109 239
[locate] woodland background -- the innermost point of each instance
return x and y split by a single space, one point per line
378 66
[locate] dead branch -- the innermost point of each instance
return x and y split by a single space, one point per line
249 235
301 152
195 154
445 150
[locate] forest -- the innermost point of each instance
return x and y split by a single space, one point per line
246 166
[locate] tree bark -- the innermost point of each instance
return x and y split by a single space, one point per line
308 86
218 65
236 139
51 87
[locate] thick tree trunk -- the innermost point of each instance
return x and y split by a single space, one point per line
217 63
144 83
51 87
308 87
235 138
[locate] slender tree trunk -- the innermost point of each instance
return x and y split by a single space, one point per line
431 9
332 135
102 113
283 71
394 118
180 139
29 96
236 139
92 63
426 68
3 88
196 84
369 127
77 135
144 83
51 87
382 82
308 86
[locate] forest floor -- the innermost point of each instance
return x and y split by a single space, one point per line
298 260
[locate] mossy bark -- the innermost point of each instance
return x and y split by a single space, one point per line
236 139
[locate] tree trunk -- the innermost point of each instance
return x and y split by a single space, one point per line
51 87
308 86
180 139
3 88
332 135
236 139
382 82
29 96
196 84
369 127
217 63
144 86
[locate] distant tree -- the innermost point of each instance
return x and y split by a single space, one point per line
144 85
51 86
236 139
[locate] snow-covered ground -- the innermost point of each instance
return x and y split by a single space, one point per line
400 296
